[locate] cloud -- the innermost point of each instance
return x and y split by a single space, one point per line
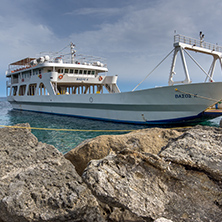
96 11
133 36
23 38
142 36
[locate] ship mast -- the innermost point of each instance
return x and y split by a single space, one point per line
73 51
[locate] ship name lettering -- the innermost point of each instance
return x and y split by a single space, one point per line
82 79
183 96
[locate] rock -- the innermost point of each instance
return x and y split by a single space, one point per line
163 220
199 148
115 214
182 182
38 184
146 140
160 175
121 214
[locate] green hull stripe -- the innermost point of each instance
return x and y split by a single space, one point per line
134 107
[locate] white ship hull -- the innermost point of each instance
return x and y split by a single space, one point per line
169 104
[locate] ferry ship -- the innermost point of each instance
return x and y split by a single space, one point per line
80 87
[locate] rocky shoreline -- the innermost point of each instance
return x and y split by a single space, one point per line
156 174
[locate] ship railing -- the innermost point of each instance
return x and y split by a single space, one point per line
13 81
78 58
87 60
14 68
197 42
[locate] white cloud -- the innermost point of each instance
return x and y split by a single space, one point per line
142 36
96 11
23 38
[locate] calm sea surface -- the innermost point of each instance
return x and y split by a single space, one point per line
65 140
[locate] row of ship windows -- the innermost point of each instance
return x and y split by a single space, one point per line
41 90
71 71
31 90
77 71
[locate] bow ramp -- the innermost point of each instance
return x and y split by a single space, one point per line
183 44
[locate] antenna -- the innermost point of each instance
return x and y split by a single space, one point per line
201 38
73 51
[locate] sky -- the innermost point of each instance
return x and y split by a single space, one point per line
132 35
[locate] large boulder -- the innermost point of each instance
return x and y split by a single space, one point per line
146 140
146 175
199 148
38 184
181 183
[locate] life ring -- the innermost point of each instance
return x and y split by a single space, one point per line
40 76
60 76
100 78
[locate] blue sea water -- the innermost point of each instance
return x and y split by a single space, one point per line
65 140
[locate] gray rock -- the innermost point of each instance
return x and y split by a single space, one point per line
115 214
199 148
163 220
146 140
171 185
38 184
137 181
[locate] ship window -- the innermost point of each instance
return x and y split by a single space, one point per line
85 71
76 71
42 90
93 72
31 89
71 71
66 71
22 89
14 79
80 71
14 90
61 70
58 70
89 72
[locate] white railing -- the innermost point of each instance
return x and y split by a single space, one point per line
197 42
78 58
